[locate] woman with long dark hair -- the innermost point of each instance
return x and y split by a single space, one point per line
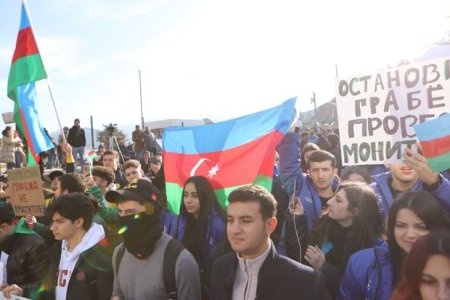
352 223
200 225
426 274
373 273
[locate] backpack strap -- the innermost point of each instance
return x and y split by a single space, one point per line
119 255
171 254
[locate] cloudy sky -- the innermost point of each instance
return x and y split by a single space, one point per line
209 59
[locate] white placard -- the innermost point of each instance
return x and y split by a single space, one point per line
376 112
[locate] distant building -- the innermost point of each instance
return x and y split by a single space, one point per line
326 114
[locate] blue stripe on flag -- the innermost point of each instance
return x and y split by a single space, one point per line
433 129
200 139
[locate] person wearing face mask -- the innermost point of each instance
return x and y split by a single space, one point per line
427 269
138 263
373 273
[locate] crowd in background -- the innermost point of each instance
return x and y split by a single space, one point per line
324 231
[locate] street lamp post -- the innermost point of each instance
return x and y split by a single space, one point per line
313 100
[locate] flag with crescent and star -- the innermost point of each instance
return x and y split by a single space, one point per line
229 154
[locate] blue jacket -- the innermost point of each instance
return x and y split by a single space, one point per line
369 275
385 199
291 172
215 233
168 220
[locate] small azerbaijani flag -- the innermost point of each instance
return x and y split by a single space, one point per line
434 137
229 154
26 68
92 155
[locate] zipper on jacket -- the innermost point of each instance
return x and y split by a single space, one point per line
248 279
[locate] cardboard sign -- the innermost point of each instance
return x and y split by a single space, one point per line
27 196
377 112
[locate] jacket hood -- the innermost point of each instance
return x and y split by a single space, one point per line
92 237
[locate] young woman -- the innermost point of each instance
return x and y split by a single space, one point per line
373 273
426 274
352 223
306 152
200 225
355 173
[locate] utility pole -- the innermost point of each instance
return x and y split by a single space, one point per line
140 92
92 133
313 100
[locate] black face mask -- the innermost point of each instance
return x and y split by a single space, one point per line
141 231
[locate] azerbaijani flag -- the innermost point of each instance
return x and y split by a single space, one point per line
26 68
230 153
91 155
434 137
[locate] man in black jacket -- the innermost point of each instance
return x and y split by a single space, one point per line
23 252
77 140
256 271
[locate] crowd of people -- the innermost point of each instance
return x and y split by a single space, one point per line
324 231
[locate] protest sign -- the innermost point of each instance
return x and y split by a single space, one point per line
25 186
377 112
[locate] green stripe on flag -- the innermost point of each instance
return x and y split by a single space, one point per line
25 70
439 163
174 193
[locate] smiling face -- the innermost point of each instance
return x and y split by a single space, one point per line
191 200
408 228
435 280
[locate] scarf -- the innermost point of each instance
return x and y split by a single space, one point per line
141 232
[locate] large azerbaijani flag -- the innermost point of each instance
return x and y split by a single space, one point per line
230 153
434 137
26 68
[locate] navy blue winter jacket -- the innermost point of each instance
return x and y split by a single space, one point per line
385 199
369 275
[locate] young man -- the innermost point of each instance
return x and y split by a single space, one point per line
77 139
256 270
110 160
316 187
23 253
103 178
132 170
412 175
138 273
79 266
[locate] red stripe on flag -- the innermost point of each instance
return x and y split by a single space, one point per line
25 45
436 147
228 168
28 136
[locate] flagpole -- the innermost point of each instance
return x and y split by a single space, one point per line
56 112
48 83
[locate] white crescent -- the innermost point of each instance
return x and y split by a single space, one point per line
197 165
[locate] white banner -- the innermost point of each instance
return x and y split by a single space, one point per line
376 112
